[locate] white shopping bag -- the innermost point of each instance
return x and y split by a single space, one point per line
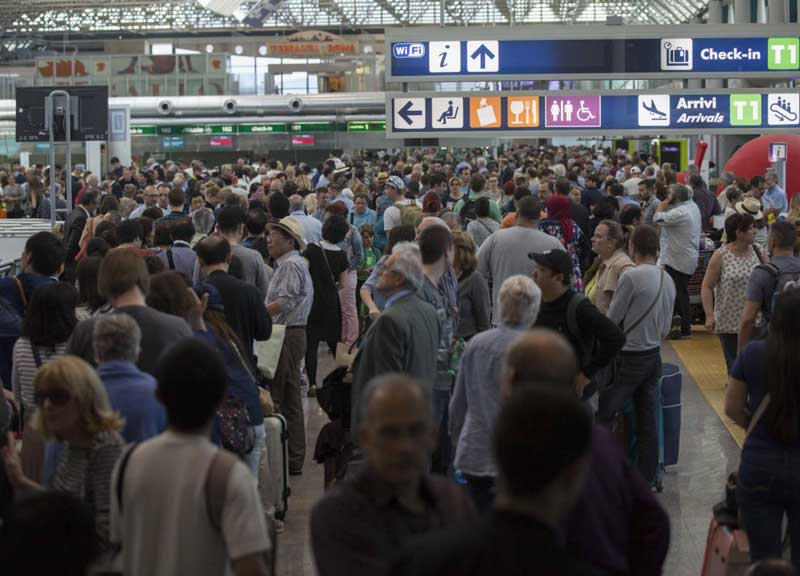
486 113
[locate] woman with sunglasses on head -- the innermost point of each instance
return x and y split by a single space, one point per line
72 408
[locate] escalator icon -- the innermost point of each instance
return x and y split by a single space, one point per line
783 109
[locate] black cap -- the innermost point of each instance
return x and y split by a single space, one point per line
559 261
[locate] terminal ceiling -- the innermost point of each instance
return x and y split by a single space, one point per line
141 16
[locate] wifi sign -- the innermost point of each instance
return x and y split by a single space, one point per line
408 50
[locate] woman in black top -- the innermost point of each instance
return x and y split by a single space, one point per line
327 264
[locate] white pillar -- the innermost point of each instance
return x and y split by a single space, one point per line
94 162
761 16
714 17
741 11
777 11
119 133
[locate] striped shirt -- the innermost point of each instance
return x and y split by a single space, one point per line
24 368
85 472
291 287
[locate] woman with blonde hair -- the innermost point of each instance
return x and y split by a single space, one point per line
72 408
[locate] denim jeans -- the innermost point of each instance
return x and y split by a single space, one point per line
766 489
253 459
442 459
683 307
482 490
729 344
637 379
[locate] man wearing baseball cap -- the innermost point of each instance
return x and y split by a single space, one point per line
394 189
595 339
289 301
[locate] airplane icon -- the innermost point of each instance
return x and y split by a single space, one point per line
656 114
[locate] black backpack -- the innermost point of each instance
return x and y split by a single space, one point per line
469 212
784 280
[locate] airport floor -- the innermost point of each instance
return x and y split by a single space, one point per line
709 451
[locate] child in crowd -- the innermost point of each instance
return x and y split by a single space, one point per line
367 265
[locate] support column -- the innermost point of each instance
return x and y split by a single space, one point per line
714 17
741 12
777 11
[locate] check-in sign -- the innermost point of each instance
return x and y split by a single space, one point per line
600 51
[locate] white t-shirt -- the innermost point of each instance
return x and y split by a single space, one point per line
391 217
164 526
631 186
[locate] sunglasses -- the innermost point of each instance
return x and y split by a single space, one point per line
58 397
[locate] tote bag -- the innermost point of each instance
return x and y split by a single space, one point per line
269 351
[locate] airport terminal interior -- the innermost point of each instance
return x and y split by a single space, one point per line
396 287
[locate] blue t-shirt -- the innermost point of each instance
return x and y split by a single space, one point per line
751 368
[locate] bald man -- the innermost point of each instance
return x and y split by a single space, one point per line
359 525
617 525
312 228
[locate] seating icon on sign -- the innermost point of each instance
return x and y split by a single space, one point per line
447 112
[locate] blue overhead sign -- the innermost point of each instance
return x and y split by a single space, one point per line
596 113
686 51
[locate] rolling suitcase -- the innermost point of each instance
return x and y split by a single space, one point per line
275 471
727 551
670 399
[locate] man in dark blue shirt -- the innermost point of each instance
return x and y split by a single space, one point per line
42 261
131 392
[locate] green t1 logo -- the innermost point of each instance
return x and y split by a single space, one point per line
745 109
782 53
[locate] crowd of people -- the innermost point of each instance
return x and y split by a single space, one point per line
502 314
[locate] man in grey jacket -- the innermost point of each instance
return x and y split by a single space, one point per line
405 337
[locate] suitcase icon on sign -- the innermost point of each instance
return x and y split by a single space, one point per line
677 56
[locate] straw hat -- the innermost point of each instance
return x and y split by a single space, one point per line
292 227
750 206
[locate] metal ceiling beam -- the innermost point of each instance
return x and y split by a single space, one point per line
504 9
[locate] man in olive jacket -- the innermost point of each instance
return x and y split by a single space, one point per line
405 337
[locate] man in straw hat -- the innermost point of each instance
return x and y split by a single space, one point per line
289 303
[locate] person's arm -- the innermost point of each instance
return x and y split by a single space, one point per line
244 527
368 289
481 303
608 336
458 401
342 544
100 474
736 401
389 338
484 256
716 209
11 460
358 249
747 324
262 284
287 293
251 565
649 529
263 325
710 280
494 210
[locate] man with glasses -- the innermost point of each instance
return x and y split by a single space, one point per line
151 197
